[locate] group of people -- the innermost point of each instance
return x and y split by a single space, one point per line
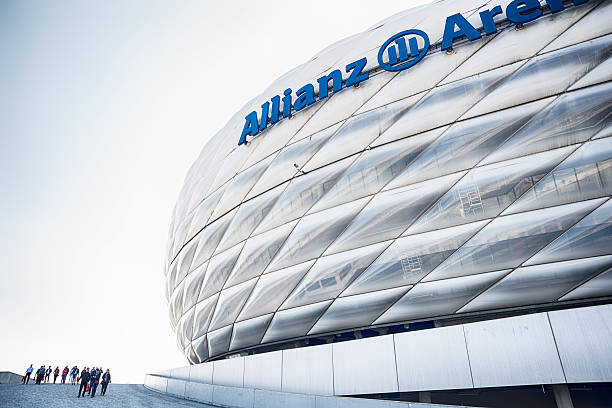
88 378
43 374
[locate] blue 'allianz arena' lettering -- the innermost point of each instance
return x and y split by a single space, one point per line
402 51
305 96
517 12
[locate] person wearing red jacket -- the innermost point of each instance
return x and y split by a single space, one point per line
64 374
55 374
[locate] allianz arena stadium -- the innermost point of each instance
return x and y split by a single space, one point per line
417 178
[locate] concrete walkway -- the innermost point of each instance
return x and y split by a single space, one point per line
57 395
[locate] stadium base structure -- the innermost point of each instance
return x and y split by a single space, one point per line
557 354
241 397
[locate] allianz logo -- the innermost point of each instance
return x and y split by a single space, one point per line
402 51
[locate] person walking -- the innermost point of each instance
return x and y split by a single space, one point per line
64 374
47 374
74 372
55 374
96 381
84 382
92 374
28 373
106 379
40 374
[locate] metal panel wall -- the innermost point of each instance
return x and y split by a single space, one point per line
202 373
219 395
432 360
181 373
263 371
229 372
176 387
232 396
198 391
566 346
365 366
308 370
156 382
513 351
584 341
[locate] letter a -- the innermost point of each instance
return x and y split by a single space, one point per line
251 127
305 97
465 29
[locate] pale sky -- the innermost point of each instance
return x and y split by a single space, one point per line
104 105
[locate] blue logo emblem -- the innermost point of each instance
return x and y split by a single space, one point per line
403 50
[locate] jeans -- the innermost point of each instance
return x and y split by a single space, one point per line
26 379
104 385
92 388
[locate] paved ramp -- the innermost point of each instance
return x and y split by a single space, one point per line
65 396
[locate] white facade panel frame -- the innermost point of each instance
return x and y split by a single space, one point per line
263 371
181 373
365 366
308 370
176 387
229 372
199 391
434 359
584 341
513 351
202 373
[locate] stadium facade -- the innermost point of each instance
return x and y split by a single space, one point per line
452 165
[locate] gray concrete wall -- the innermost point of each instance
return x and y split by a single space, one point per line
241 397
6 377
565 346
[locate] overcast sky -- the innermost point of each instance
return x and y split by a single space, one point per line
104 105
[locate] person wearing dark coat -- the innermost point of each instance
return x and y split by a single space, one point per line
106 379
94 381
84 380
40 374
48 373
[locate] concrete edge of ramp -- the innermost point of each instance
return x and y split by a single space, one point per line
239 397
